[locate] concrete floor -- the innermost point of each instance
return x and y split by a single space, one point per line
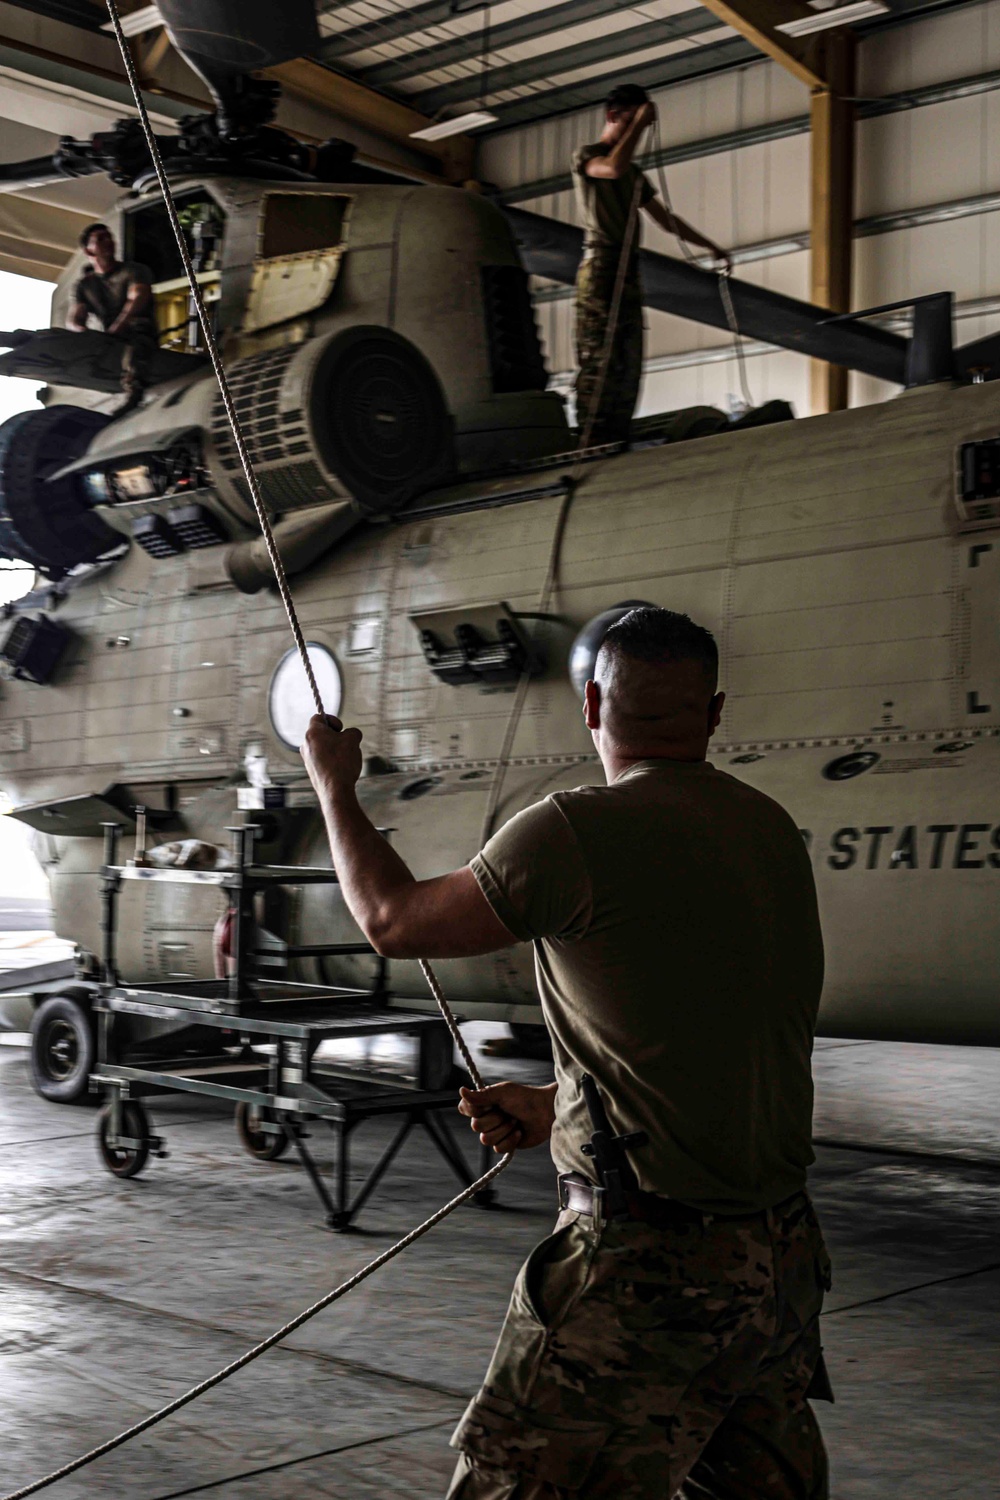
117 1295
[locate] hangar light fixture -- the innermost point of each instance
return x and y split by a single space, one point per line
835 15
457 126
138 21
473 118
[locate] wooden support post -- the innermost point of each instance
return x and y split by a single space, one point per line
832 207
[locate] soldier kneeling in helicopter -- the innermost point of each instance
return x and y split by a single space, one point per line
119 294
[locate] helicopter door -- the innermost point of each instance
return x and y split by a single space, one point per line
301 241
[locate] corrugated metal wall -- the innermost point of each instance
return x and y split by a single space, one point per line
924 157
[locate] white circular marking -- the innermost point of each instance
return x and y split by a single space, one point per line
290 703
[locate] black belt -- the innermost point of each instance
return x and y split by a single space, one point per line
578 1193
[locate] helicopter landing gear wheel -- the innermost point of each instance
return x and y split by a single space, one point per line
261 1144
126 1154
63 1049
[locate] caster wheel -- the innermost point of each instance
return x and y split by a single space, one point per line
125 1161
339 1221
260 1144
485 1198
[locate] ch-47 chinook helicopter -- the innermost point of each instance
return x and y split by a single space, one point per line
380 341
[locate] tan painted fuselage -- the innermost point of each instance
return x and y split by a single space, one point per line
857 613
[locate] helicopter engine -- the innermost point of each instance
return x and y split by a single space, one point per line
338 308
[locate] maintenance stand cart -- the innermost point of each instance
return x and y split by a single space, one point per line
256 1041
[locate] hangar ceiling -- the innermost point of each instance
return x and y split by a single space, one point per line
388 67
544 58
382 64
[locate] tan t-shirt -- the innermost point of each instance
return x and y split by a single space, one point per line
105 293
679 961
604 202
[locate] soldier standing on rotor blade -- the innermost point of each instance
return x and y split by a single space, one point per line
606 179
119 295
664 1340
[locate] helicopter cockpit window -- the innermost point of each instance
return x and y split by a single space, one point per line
149 239
302 223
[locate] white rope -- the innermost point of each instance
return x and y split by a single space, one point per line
572 480
211 345
725 292
463 1197
265 1344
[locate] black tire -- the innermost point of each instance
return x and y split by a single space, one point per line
260 1144
49 524
125 1161
379 417
63 1049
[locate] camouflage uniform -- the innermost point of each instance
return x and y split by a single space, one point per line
137 356
639 1364
104 295
595 284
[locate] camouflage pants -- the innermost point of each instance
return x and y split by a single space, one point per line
137 356
615 400
641 1364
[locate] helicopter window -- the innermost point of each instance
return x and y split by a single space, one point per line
149 238
290 701
297 223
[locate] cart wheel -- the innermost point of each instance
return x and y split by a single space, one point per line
261 1144
125 1161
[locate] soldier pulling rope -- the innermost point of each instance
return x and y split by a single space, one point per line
664 1340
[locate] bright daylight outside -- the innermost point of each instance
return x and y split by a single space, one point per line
25 936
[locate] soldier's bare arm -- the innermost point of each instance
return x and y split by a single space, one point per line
674 224
446 917
139 294
619 158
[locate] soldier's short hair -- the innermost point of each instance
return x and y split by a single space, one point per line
663 635
626 96
86 233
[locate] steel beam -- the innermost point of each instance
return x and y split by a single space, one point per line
775 130
604 48
508 34
827 66
831 206
680 67
83 85
388 28
552 249
757 20
82 13
396 121
699 62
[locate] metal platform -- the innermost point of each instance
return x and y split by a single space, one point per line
254 1041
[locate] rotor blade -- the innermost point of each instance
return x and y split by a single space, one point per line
15 175
550 248
224 38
